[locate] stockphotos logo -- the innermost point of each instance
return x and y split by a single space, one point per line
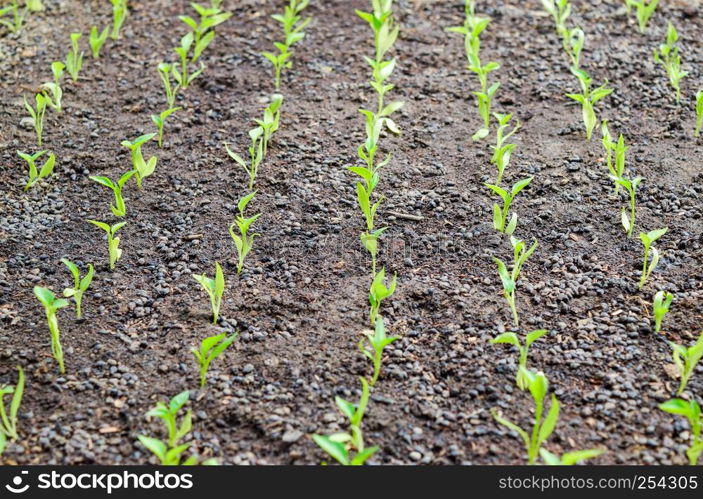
107 482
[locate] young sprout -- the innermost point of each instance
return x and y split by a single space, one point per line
568 458
142 168
668 56
181 76
339 445
35 5
573 42
210 349
170 452
699 114
500 215
509 279
165 71
80 286
36 174
51 305
53 95
271 120
614 154
37 114
560 11
293 32
256 154
215 288
243 241
18 16
74 59
118 209
647 240
691 411
119 13
379 292
512 339
587 98
210 17
472 29
8 418
645 10
378 340
685 359
160 120
628 221
660 306
113 243
97 40
503 151
543 425
57 69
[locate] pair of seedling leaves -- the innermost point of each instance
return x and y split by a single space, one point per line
215 288
35 173
210 349
588 98
691 411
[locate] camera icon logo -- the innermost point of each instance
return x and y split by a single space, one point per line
16 487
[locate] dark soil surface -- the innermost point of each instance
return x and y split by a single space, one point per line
301 303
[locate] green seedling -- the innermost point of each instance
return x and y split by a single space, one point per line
210 17
645 10
668 56
210 349
36 174
573 42
53 95
142 168
243 242
543 425
215 288
51 306
165 71
271 120
699 114
614 154
183 79
377 340
113 243
512 339
660 306
472 29
685 359
170 451
647 240
160 120
119 14
560 10
80 286
340 445
370 242
379 292
74 59
588 98
97 40
8 417
256 154
17 15
691 411
509 279
503 151
119 209
57 69
500 215
628 221
293 26
569 458
37 114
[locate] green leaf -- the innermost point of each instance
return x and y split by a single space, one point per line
510 338
336 450
550 421
157 447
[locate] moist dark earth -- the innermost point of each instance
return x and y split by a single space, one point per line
302 302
